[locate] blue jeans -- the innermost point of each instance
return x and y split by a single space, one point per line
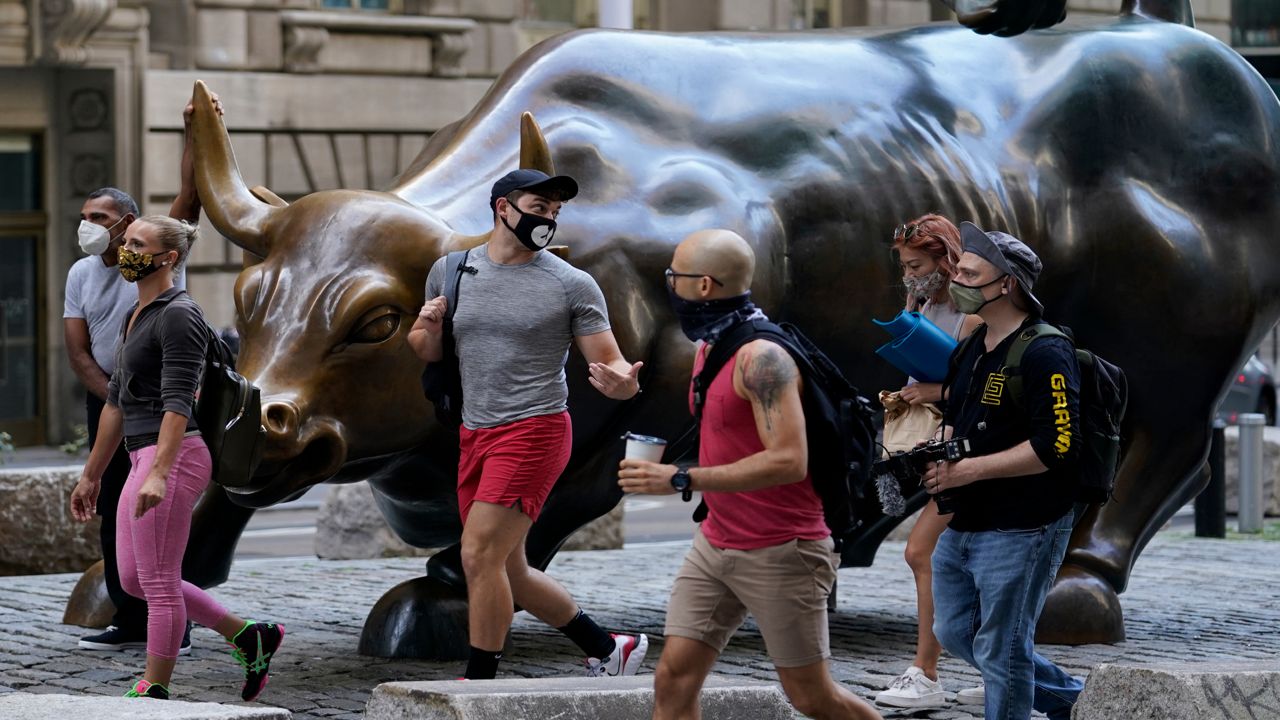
988 591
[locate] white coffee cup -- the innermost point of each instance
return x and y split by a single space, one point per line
644 447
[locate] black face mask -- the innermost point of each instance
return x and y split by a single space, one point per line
533 231
706 319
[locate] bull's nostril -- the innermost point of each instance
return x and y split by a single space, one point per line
280 418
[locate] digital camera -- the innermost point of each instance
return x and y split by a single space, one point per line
906 468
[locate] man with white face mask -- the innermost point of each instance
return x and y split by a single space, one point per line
97 301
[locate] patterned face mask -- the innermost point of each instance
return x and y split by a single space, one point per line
134 265
924 287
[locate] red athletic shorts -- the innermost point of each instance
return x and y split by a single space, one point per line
515 464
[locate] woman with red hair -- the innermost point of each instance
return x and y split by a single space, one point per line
928 249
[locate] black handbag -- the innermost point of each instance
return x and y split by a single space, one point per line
442 380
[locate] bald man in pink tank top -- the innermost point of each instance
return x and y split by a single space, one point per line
764 547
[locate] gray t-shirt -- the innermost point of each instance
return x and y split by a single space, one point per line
513 327
100 296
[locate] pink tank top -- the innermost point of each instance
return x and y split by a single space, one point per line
751 519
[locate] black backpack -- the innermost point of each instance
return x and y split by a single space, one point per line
838 420
1104 397
228 412
442 380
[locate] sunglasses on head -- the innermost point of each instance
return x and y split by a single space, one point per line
905 231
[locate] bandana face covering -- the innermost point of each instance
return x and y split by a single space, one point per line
134 265
706 319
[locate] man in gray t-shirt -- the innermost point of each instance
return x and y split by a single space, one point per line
518 312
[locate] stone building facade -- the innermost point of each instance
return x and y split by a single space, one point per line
320 94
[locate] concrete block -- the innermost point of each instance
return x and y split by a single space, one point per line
266 40
37 533
33 706
351 527
629 698
603 533
376 54
161 160
214 292
1181 691
224 39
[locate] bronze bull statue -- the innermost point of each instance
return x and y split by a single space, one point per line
1138 157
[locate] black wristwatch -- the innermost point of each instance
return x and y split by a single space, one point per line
681 481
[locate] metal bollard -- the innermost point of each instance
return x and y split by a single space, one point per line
1249 519
1211 503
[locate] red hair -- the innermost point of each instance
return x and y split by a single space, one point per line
936 237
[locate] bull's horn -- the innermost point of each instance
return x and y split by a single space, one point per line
534 153
231 207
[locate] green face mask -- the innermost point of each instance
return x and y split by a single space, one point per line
969 298
134 265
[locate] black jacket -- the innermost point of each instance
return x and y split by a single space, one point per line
159 363
1048 415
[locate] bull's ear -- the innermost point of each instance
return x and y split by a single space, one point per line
268 197
534 153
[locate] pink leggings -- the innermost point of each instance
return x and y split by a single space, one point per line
149 549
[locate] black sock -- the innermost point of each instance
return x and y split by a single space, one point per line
589 636
483 664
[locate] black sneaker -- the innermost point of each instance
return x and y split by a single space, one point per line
144 689
115 638
253 647
185 647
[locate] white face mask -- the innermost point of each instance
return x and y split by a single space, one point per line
94 238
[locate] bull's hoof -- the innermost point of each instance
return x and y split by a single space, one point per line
420 618
89 604
1081 609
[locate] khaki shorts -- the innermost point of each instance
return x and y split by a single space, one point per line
784 587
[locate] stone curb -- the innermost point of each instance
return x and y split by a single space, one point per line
33 706
630 698
1181 691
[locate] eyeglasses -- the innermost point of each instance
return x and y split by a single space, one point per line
905 231
671 276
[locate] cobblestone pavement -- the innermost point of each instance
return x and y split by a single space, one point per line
1189 600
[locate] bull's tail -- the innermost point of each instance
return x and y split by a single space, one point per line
1174 11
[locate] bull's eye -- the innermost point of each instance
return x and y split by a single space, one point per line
377 329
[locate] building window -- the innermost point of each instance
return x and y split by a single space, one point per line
580 13
1255 23
383 5
806 14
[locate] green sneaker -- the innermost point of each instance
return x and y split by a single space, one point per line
144 689
253 647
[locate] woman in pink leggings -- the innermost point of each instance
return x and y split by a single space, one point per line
149 404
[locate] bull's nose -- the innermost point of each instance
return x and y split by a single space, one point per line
281 418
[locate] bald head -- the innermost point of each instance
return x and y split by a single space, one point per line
722 254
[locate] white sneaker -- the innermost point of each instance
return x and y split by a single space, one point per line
972 696
626 657
913 689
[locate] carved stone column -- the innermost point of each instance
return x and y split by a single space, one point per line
61 29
